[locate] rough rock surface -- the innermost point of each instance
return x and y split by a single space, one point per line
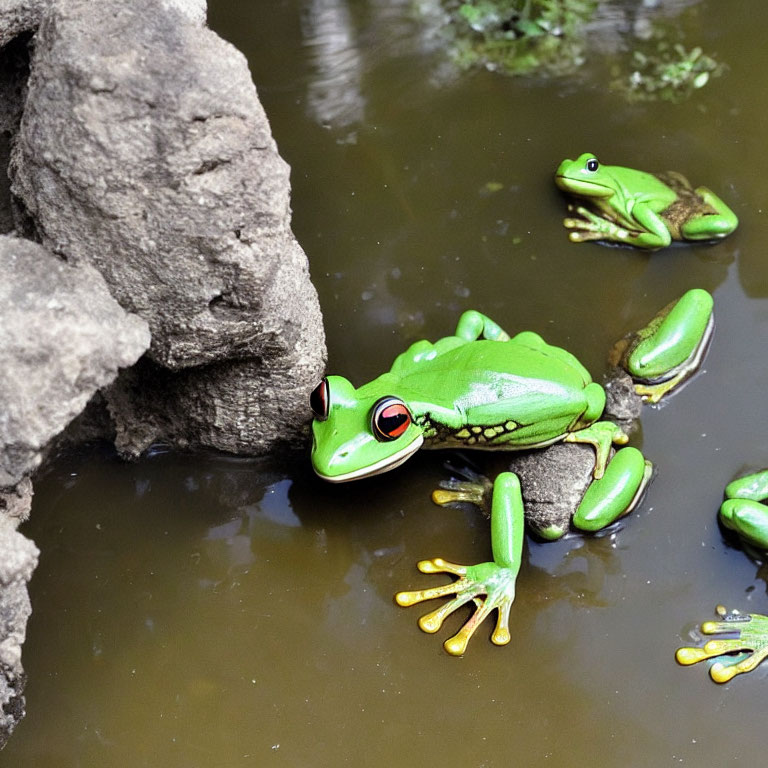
144 151
18 558
553 482
18 16
62 338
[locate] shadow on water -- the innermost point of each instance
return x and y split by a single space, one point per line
206 611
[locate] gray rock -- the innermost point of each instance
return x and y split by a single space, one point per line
62 338
18 559
14 70
144 151
195 10
17 16
553 481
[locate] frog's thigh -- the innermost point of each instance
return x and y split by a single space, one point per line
752 486
748 518
616 493
709 225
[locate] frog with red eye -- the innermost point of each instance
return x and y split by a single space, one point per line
482 389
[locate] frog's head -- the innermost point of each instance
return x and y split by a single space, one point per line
583 177
358 433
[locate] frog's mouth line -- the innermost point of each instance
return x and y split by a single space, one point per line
583 187
390 462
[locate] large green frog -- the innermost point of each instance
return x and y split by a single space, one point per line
745 513
637 208
482 389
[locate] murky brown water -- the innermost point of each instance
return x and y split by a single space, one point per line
198 611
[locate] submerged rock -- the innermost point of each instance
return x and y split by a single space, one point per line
144 151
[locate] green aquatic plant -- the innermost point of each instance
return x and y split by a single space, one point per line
667 71
519 36
553 37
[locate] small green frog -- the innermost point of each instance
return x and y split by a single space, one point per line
743 512
637 208
482 389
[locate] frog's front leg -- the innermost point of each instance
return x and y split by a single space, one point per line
743 510
592 226
670 348
490 585
650 232
751 638
709 226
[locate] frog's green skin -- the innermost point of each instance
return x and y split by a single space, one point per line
481 389
744 513
637 208
663 354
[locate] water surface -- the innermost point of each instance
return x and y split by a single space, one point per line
205 611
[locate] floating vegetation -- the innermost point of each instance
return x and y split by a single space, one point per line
553 38
520 37
668 72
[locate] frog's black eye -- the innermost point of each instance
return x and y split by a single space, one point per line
389 419
592 164
319 400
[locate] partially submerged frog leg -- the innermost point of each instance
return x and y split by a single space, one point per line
670 349
708 226
602 435
490 585
474 325
477 489
743 512
751 638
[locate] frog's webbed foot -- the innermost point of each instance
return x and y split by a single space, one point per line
750 637
670 349
593 227
603 435
489 585
473 488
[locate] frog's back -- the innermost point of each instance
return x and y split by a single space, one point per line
508 394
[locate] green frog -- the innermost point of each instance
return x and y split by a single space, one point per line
744 513
481 389
632 207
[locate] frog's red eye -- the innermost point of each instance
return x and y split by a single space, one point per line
319 400
389 419
592 164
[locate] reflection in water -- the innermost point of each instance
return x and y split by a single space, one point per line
334 91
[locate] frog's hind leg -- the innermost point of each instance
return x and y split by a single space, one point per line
474 325
491 585
743 510
616 493
670 349
708 226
